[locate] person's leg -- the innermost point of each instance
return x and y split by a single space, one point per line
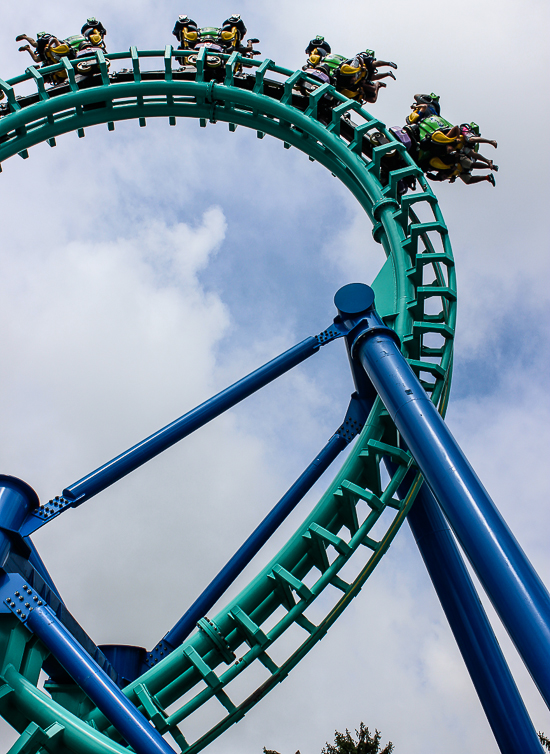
468 179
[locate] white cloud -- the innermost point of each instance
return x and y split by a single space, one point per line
97 328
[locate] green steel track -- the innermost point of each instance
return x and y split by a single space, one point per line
301 588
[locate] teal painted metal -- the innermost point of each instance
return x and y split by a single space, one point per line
419 268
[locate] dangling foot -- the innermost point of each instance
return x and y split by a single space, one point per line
495 168
392 75
491 179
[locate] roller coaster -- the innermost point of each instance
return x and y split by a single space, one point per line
403 462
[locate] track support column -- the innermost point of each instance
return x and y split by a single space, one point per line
492 679
513 586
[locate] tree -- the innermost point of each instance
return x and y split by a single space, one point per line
344 743
544 741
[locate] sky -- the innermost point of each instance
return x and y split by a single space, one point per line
144 270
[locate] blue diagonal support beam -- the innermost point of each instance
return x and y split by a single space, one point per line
97 685
139 454
351 426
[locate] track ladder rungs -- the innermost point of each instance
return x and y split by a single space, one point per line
383 449
254 636
209 677
320 538
35 740
346 507
358 493
286 583
157 715
152 708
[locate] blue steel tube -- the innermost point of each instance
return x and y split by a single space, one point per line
108 698
253 544
494 684
513 586
147 449
17 498
38 564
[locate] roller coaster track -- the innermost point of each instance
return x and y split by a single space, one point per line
415 295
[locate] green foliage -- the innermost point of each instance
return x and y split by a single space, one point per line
344 743
544 741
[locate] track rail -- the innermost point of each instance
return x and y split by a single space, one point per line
294 595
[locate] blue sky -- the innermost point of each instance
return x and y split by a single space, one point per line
145 269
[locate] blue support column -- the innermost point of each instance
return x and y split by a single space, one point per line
108 698
513 586
494 684
17 500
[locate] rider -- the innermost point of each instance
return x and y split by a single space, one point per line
48 50
93 24
358 77
36 47
460 167
453 152
423 106
233 31
186 32
86 44
232 36
94 32
317 50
